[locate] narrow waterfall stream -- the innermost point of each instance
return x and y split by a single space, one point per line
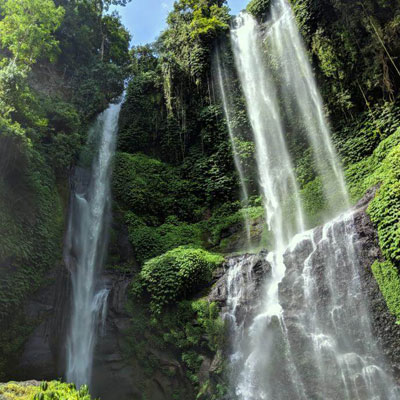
228 109
86 246
310 337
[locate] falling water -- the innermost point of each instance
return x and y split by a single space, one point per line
223 83
311 337
277 179
85 248
303 100
275 170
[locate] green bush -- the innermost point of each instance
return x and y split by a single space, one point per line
45 391
175 275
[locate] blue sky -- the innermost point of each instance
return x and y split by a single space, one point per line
145 19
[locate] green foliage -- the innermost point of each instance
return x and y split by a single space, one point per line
176 274
27 29
383 168
354 46
258 8
384 210
372 170
192 25
54 390
31 224
116 41
314 202
152 189
229 216
357 140
149 241
30 234
388 280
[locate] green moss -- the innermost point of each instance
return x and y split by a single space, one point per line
44 391
388 280
175 275
383 168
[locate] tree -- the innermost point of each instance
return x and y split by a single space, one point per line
27 29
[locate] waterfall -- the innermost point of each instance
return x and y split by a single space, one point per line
310 336
228 111
277 184
321 346
275 169
86 245
303 100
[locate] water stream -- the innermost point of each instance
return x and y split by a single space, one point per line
86 246
223 85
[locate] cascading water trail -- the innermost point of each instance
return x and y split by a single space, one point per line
303 100
85 248
278 186
223 84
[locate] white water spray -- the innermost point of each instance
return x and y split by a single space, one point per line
86 246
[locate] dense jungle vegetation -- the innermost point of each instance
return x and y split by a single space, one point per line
176 192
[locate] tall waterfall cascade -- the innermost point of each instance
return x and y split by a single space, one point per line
310 337
86 245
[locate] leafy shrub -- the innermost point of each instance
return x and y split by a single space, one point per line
45 391
358 140
175 275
